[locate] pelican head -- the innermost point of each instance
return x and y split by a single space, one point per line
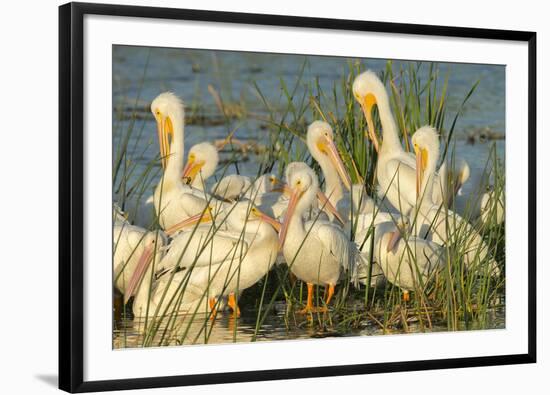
463 175
152 245
203 158
167 109
303 186
301 177
324 202
426 147
369 90
267 183
320 141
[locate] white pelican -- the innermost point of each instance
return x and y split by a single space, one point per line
271 196
171 197
356 209
395 172
484 204
455 177
320 142
430 219
232 187
134 249
364 221
315 251
202 161
407 262
265 190
491 206
265 183
213 263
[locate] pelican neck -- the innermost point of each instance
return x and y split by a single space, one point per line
296 224
390 137
145 288
333 187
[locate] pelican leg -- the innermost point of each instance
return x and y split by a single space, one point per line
330 292
213 309
232 303
406 296
309 305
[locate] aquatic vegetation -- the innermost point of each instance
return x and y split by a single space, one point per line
456 298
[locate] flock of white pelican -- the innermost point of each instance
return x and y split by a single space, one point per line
191 248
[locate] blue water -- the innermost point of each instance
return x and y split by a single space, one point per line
140 74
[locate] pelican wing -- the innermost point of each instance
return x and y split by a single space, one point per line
334 242
203 248
403 174
127 237
200 196
231 187
200 200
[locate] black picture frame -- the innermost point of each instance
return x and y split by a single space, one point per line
71 203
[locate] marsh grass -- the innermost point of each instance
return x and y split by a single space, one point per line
454 298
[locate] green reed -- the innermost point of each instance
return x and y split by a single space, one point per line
456 298
415 102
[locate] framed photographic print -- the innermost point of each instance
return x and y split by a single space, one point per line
259 197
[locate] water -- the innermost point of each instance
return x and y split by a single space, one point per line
188 73
277 326
140 74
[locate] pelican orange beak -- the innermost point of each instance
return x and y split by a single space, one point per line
326 145
367 103
284 189
192 168
324 202
295 195
139 272
421 163
267 219
327 206
203 217
165 131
